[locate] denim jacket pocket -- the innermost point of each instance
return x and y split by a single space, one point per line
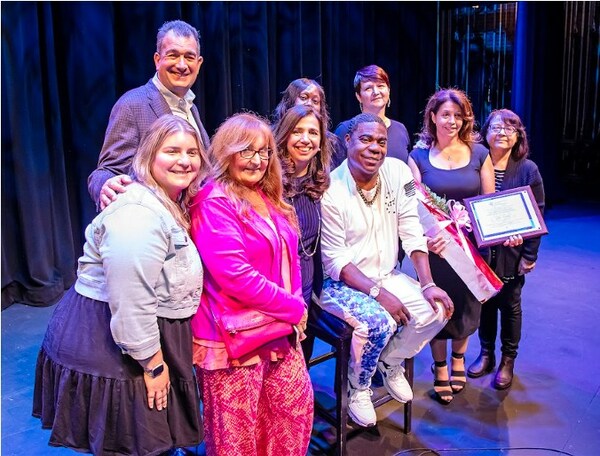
186 269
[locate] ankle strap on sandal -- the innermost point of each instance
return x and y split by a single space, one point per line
440 363
458 355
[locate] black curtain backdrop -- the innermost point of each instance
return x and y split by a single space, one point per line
64 64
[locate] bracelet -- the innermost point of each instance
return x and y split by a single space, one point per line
427 286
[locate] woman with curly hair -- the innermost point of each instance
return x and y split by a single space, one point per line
449 160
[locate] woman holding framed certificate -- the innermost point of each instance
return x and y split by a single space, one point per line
505 136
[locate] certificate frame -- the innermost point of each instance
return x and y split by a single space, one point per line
497 216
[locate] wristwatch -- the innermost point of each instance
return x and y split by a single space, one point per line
374 291
155 371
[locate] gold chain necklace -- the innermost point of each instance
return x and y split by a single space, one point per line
364 198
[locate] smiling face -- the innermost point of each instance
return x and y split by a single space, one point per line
178 63
249 171
367 147
448 120
310 97
176 163
374 96
303 143
500 141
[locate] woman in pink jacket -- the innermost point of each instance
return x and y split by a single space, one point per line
261 403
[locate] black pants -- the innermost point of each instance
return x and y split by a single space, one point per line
508 302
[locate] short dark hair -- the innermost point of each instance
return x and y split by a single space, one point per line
372 73
364 117
179 28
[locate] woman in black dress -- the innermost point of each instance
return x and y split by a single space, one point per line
453 165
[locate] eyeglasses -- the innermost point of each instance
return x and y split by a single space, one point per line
263 154
508 130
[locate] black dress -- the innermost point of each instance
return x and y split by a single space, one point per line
454 184
93 397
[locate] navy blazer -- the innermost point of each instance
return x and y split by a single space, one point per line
130 118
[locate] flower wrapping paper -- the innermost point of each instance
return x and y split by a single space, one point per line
459 252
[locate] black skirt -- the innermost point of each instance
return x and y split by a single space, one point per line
93 397
467 309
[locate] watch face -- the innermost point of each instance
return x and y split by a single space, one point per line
156 371
374 292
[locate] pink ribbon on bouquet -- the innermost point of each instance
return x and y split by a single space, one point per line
460 217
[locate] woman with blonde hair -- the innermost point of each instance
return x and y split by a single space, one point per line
259 402
115 374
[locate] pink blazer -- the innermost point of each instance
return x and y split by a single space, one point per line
242 261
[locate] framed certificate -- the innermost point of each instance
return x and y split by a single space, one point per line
497 216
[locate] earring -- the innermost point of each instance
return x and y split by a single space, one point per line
360 105
389 102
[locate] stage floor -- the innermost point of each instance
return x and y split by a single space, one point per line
553 406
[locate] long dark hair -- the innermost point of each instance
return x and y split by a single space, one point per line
467 134
318 169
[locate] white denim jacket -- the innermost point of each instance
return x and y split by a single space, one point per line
138 260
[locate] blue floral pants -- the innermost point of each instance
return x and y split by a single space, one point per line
376 335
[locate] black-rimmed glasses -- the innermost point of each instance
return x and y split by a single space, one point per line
263 154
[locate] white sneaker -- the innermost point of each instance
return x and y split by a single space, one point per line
360 407
395 382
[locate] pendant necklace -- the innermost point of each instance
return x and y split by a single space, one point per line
316 241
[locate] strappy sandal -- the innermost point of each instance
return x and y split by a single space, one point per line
458 380
442 391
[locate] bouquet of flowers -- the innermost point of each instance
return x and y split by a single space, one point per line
451 218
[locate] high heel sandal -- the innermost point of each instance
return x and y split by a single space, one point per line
442 391
458 380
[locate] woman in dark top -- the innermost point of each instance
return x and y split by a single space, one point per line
372 90
309 92
305 158
505 135
454 166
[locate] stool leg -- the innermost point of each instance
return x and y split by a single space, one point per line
341 387
409 373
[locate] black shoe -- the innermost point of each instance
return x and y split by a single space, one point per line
504 376
458 381
484 364
442 391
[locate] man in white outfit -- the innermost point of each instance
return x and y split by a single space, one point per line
369 205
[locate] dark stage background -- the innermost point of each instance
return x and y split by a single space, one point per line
64 64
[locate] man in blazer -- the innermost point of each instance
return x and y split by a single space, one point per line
178 61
